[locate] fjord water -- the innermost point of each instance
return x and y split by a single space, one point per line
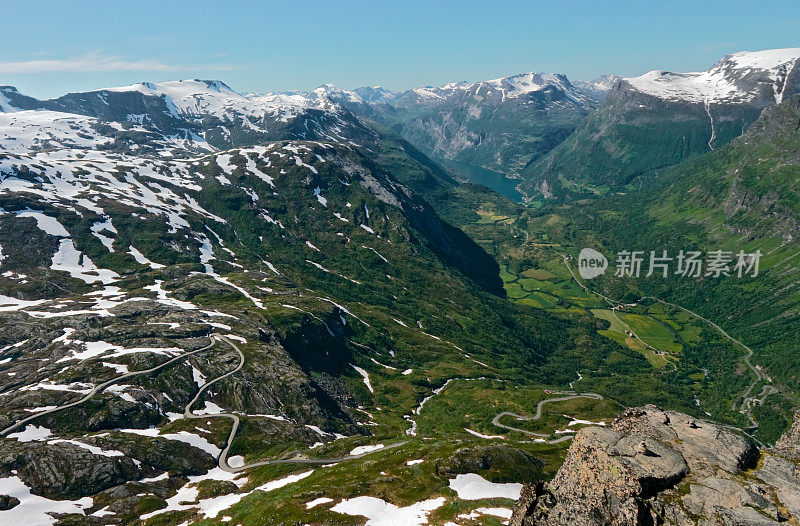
505 186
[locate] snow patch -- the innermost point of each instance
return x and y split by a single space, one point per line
381 513
365 374
472 486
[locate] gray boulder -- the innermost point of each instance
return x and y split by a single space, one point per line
663 467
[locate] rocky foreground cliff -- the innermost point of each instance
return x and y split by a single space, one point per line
663 467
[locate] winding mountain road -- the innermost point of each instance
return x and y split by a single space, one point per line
102 386
747 401
745 407
222 460
538 415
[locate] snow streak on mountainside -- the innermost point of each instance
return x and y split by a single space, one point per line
736 78
25 131
30 130
184 117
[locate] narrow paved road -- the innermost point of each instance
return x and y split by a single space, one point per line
609 300
744 408
222 460
102 386
538 415
747 400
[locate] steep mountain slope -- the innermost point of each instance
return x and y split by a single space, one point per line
168 306
191 117
499 125
662 118
741 197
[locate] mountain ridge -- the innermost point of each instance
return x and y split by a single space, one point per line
735 78
657 120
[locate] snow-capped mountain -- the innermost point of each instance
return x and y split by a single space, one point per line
146 147
502 88
200 98
662 118
374 93
501 124
197 114
737 78
597 88
124 256
489 91
181 99
132 237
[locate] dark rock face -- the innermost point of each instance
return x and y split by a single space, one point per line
116 106
522 464
62 470
663 467
8 502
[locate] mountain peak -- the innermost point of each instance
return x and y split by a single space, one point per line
185 87
736 78
374 93
769 59
326 87
522 83
501 88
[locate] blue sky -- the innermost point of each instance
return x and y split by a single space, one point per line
50 48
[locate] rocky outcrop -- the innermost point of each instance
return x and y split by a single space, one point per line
68 469
789 443
8 502
663 467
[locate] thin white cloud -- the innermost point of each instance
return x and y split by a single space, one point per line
97 62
